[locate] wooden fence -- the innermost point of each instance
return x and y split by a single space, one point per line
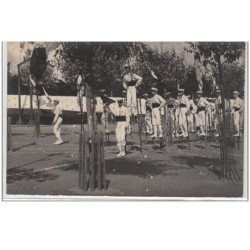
92 162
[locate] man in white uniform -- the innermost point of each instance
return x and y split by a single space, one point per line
218 112
157 103
183 107
131 82
57 121
237 109
80 89
148 116
202 106
121 114
190 114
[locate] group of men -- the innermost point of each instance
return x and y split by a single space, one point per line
181 116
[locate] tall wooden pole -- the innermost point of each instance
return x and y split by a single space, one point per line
19 122
31 121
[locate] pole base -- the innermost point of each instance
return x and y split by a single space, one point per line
19 122
31 123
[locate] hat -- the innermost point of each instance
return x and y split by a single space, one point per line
180 90
199 92
126 65
167 93
236 92
102 91
145 94
154 89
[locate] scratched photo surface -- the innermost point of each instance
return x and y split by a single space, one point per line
125 119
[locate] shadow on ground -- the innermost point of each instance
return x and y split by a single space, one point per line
142 168
28 174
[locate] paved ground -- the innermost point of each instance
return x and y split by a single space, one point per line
38 167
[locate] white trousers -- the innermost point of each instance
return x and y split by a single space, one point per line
57 129
200 119
131 99
120 133
236 117
156 121
156 116
148 123
182 116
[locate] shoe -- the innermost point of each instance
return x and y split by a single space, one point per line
216 134
60 142
185 135
180 135
202 134
238 134
55 143
121 154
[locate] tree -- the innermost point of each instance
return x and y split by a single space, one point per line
219 54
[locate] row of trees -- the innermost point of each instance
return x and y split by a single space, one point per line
102 66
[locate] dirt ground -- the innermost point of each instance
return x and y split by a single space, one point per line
37 167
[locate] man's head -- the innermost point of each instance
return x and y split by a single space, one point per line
127 68
120 102
199 94
145 96
166 93
217 92
102 92
124 93
154 91
235 94
56 102
181 92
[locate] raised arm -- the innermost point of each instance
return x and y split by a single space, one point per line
46 94
138 80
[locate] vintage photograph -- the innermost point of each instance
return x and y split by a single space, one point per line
125 119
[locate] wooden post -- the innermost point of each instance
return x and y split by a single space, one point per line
37 119
92 161
99 162
19 122
9 135
139 120
103 164
31 121
80 160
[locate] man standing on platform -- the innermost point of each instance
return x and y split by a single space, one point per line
131 82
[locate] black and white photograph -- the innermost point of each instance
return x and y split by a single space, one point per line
125 119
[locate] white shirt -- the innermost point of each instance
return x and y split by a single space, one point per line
131 77
202 102
158 99
183 100
238 103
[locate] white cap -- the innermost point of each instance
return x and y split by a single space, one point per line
154 89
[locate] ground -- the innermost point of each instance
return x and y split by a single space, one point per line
37 167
